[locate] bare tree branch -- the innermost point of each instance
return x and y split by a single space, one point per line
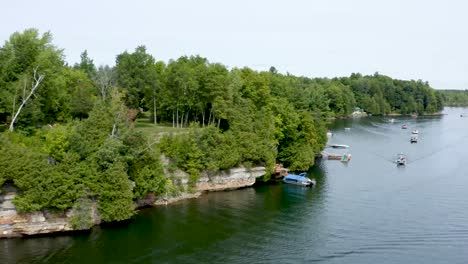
34 86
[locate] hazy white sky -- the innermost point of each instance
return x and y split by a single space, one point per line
407 39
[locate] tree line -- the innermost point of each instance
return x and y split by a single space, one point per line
455 97
74 140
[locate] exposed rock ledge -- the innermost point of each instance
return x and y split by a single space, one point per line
15 224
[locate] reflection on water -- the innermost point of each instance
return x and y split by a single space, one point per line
366 211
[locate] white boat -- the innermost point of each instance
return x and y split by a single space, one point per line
415 132
340 146
329 133
391 120
300 179
414 139
347 128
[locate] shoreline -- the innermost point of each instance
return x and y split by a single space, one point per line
44 222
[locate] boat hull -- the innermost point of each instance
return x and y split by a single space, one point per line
299 180
310 184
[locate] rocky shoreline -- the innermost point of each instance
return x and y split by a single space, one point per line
17 224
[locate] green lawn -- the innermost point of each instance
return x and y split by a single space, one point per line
156 131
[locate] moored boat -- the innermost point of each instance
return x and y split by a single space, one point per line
300 179
404 126
340 146
414 139
415 132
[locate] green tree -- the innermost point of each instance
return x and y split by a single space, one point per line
135 75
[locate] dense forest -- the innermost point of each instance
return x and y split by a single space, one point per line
77 134
455 97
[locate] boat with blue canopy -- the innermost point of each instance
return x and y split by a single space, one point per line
300 179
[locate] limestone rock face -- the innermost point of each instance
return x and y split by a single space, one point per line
16 224
227 180
231 179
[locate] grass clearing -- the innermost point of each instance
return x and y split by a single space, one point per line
153 131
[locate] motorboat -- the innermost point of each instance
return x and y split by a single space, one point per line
401 159
404 126
347 128
414 139
415 132
391 120
329 133
300 179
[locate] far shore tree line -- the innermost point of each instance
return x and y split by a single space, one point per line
72 134
455 97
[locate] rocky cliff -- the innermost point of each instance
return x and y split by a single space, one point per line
231 179
16 224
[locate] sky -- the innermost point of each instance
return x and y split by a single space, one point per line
411 39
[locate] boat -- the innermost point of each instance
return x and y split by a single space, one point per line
414 139
404 126
346 157
329 133
414 115
415 132
347 128
401 159
340 146
300 179
391 120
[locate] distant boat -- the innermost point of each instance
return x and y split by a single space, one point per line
340 146
404 126
391 120
346 157
414 115
347 128
300 179
329 133
401 159
414 139
415 132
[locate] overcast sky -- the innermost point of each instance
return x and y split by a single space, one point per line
406 39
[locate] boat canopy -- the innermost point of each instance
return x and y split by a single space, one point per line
299 178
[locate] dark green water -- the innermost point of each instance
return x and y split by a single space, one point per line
368 211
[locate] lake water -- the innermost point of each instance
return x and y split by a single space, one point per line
367 211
